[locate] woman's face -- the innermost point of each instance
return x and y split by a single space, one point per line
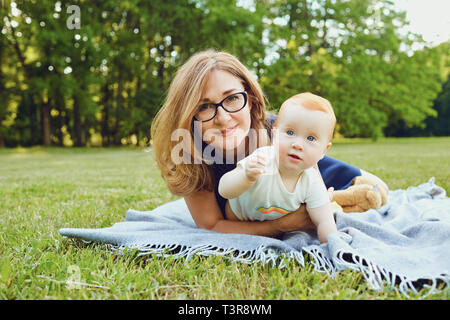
226 131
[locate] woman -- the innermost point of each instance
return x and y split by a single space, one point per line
214 97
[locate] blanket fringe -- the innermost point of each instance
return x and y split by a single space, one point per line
377 277
261 254
320 262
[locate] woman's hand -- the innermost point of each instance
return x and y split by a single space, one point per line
296 220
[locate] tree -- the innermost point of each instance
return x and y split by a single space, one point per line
5 93
351 53
107 78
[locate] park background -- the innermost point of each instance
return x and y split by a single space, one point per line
99 77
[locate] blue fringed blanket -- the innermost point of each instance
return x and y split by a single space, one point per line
401 244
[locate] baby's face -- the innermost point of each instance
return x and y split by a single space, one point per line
302 137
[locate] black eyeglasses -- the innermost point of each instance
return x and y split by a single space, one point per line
232 103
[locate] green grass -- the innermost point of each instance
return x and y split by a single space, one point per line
44 189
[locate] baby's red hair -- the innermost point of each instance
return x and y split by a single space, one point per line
311 101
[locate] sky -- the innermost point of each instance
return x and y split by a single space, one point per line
430 18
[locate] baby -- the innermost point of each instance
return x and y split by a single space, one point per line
276 180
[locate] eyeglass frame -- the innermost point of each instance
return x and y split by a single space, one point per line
220 104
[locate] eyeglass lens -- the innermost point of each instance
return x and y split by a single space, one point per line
232 103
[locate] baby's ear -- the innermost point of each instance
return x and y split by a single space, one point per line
326 149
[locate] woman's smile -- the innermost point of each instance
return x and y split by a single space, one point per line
228 131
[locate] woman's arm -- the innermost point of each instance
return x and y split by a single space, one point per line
207 215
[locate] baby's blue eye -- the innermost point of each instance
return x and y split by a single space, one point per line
290 133
310 138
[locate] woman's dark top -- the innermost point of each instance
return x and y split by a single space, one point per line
335 173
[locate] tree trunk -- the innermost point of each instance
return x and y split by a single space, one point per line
60 120
2 89
45 123
119 112
104 126
307 21
2 140
77 120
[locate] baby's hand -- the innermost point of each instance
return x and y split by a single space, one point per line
255 166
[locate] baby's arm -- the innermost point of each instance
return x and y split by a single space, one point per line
237 181
322 217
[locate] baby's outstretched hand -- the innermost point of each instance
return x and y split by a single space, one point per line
255 166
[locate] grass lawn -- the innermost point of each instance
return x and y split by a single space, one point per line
44 189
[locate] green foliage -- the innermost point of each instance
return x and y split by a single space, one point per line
109 78
351 53
439 125
439 117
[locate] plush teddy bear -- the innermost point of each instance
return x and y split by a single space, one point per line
362 195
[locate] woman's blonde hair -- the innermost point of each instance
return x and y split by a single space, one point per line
178 112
